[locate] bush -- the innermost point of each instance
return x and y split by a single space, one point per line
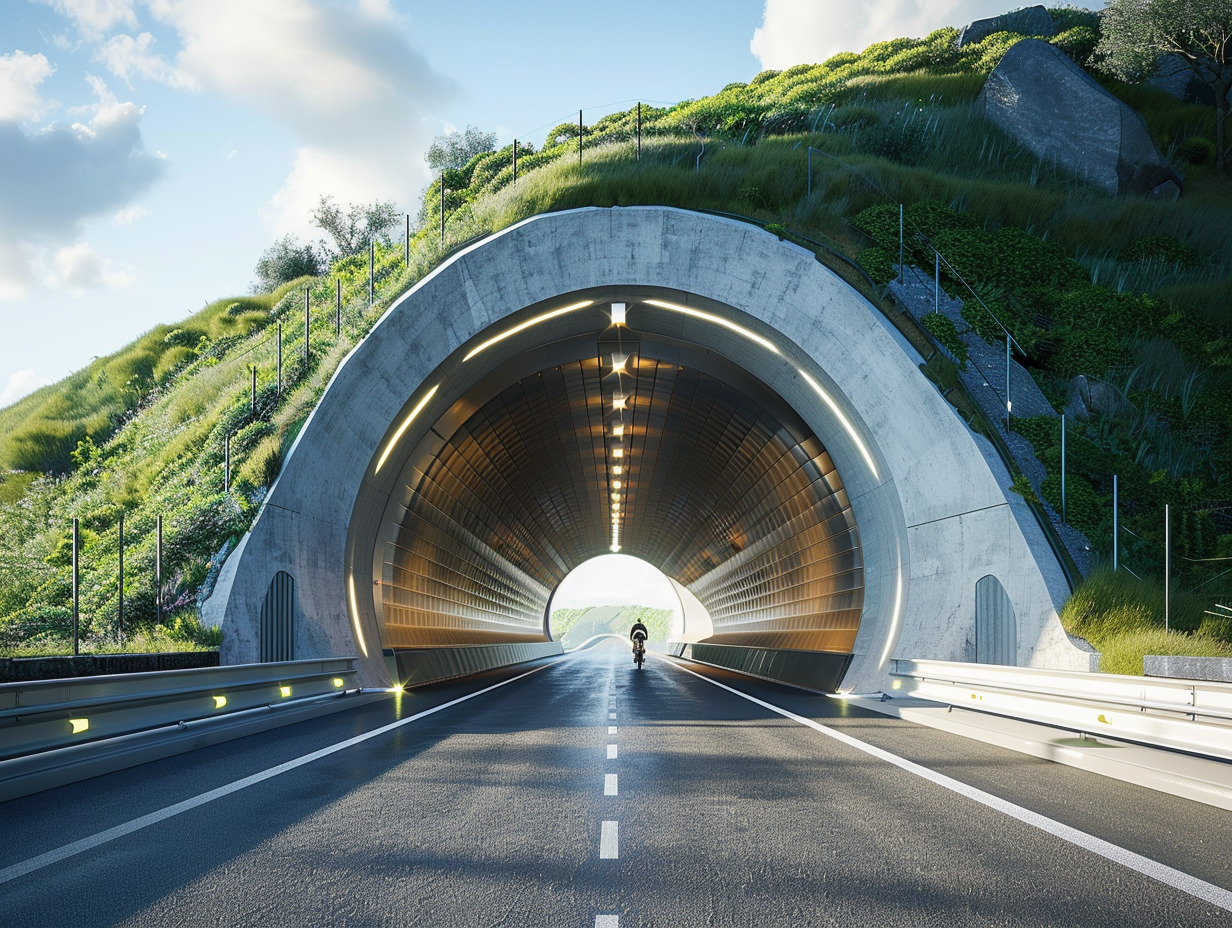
942 329
1165 248
284 261
1196 150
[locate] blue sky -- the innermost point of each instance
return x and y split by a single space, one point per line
150 150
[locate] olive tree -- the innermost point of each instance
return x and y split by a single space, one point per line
451 151
1137 33
285 260
354 226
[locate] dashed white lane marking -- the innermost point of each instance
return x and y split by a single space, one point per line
609 841
609 784
611 729
119 831
607 921
611 752
611 715
1177 879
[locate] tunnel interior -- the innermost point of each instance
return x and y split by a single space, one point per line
621 431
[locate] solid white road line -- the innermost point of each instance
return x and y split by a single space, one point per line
607 921
1177 879
609 841
611 729
609 784
611 752
119 831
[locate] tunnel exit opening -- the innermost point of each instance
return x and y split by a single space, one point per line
607 594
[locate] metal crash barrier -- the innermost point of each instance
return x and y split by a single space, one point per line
50 714
1183 715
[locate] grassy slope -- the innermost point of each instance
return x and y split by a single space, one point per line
894 124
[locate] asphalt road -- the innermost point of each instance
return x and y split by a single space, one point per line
587 793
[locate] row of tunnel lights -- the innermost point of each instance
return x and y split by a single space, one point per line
620 403
220 702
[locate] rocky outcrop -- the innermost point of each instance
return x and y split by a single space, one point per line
1089 397
1175 76
1056 110
1030 21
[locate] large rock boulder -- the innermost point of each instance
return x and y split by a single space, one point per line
1056 110
1032 20
1176 77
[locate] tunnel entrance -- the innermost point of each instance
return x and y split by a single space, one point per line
618 437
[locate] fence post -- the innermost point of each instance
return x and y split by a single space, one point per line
639 131
1115 526
280 359
406 249
900 244
120 607
1009 403
371 268
515 161
442 210
337 306
158 573
226 464
76 589
937 282
252 414
809 188
579 136
1167 567
307 320
1062 468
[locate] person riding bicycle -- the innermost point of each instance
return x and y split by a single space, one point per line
639 633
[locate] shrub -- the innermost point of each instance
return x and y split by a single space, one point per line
1165 248
1196 150
943 330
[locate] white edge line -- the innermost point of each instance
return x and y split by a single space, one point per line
119 831
1177 879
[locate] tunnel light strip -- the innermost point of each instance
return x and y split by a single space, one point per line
406 424
896 616
717 320
843 420
509 333
359 632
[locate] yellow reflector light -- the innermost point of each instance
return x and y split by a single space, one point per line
220 701
338 682
285 690
79 725
897 684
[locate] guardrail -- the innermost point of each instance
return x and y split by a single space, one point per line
1182 715
47 714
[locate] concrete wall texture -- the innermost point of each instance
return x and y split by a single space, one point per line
930 497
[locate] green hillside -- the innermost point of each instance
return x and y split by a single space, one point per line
1131 290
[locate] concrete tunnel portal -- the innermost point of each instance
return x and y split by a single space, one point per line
679 387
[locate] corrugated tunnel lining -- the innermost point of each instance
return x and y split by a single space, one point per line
723 488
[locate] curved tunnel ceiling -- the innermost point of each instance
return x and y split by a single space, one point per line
618 439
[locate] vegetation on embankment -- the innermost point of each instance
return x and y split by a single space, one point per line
143 433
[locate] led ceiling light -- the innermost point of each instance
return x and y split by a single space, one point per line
543 317
618 365
617 431
618 401
618 452
843 420
617 469
406 424
717 320
616 484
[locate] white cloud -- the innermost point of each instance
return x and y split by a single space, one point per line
79 268
58 177
615 580
126 58
95 18
345 82
20 384
20 76
810 31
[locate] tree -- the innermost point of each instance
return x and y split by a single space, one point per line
286 260
360 223
1137 33
451 151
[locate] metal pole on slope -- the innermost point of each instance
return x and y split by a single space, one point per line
337 305
1115 526
226 464
1009 403
252 409
809 187
307 321
1062 468
515 161
371 270
579 136
442 211
639 131
76 589
158 573
1167 567
406 246
120 607
280 359
900 244
937 282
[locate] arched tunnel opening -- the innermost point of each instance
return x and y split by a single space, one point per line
609 422
608 593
